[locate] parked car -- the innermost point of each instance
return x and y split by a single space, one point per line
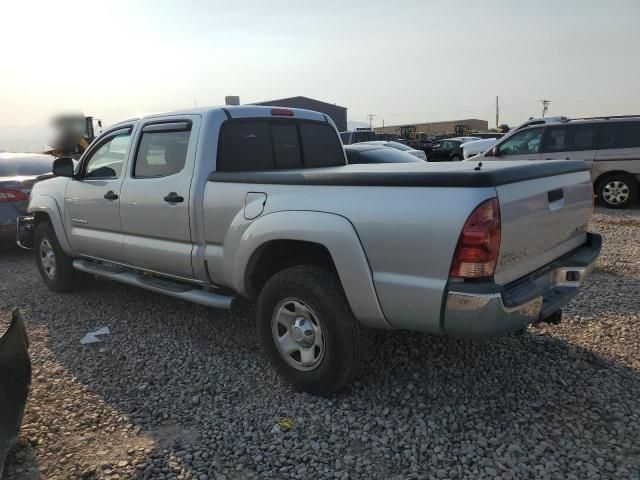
465 139
609 146
262 205
357 136
471 149
18 172
15 378
446 150
398 146
364 153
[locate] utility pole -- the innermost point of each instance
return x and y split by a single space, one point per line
370 117
545 106
497 113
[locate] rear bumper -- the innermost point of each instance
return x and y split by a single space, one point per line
24 231
488 309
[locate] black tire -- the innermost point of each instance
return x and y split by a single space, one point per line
456 158
343 336
624 183
63 278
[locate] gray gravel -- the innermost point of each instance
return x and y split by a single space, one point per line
180 391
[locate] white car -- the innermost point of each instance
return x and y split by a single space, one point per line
398 146
471 149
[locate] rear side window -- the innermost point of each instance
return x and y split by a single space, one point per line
570 138
321 146
245 146
268 145
620 135
161 154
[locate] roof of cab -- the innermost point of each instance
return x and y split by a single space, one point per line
233 111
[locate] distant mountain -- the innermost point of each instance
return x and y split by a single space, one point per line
31 138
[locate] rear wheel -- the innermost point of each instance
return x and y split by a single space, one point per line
456 158
308 331
618 190
54 265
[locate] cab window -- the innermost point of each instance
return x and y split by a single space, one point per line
526 142
107 160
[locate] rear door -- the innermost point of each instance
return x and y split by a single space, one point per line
156 196
570 142
92 201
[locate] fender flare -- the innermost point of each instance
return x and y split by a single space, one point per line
48 205
332 231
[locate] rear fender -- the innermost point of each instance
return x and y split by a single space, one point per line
49 206
337 235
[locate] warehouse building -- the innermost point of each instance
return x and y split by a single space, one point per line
437 128
337 113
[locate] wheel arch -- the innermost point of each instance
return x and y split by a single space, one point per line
45 208
283 239
603 176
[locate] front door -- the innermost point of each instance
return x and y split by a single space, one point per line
92 201
155 203
523 145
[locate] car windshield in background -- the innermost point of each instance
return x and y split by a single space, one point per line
25 166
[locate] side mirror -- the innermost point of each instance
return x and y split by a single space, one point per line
495 152
63 167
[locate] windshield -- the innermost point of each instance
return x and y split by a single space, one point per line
380 155
25 167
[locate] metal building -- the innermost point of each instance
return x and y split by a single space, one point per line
337 113
446 128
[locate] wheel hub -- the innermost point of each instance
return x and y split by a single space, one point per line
298 334
616 192
48 258
302 331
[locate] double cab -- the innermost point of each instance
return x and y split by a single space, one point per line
214 204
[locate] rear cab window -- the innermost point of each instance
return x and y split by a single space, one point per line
269 144
162 149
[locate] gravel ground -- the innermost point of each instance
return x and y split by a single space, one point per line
180 391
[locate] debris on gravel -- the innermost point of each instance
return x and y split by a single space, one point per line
178 391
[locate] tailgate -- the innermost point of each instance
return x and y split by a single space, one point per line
542 219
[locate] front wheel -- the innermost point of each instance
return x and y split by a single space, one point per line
307 329
618 191
54 265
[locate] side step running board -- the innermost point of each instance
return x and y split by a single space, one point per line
166 287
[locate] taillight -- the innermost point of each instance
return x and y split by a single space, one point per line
479 243
283 112
11 195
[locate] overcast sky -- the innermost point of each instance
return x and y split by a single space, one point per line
404 61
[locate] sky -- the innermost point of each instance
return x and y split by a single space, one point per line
403 61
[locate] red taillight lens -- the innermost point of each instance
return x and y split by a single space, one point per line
283 112
477 251
11 195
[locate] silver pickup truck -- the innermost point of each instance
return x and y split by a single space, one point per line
209 205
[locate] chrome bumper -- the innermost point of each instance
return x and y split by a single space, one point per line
487 309
25 229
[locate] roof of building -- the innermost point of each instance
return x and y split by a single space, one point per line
269 102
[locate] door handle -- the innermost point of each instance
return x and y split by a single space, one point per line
110 195
555 195
173 197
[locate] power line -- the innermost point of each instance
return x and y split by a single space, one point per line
370 117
